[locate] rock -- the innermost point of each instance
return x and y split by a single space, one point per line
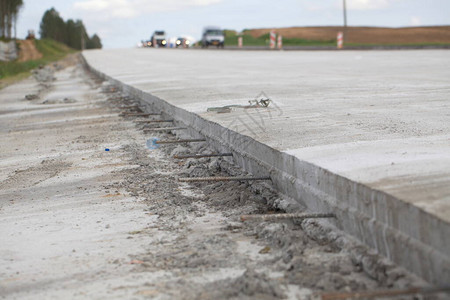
44 74
31 97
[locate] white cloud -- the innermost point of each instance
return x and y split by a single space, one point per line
415 21
362 5
367 4
314 6
125 9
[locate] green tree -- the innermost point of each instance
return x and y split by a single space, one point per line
9 12
72 33
53 26
75 34
94 43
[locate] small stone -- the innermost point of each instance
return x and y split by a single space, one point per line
31 97
264 250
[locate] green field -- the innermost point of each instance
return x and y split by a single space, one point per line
51 51
405 45
231 39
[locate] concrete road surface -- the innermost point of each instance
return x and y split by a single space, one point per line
79 222
379 119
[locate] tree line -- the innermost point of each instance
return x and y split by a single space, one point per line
72 33
9 12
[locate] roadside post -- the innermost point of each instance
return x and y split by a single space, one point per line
273 36
240 42
340 40
280 42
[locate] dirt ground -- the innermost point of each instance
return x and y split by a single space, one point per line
28 51
88 211
366 35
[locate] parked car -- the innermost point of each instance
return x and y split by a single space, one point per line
158 39
213 36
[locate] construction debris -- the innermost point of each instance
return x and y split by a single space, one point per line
202 155
383 293
252 104
271 217
238 178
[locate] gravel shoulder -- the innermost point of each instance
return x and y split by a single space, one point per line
80 222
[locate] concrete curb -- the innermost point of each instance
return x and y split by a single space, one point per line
403 233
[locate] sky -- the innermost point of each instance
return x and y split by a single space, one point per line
123 23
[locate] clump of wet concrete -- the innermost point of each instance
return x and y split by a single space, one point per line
193 254
109 88
364 259
59 101
250 285
31 97
179 150
44 74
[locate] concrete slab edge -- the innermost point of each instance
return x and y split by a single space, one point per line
403 233
334 48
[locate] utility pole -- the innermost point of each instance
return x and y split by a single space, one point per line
345 13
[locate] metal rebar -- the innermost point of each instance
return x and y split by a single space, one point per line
202 155
200 179
180 141
286 216
154 121
129 106
164 129
383 293
127 114
126 98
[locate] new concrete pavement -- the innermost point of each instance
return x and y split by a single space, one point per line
363 133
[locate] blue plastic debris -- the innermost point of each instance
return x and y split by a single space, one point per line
151 143
107 149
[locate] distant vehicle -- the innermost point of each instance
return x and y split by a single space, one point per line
213 36
182 42
158 39
145 44
31 35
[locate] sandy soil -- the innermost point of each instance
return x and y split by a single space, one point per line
80 222
28 51
366 35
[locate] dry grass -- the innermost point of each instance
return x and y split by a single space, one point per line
366 35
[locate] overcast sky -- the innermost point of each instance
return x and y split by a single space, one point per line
122 23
